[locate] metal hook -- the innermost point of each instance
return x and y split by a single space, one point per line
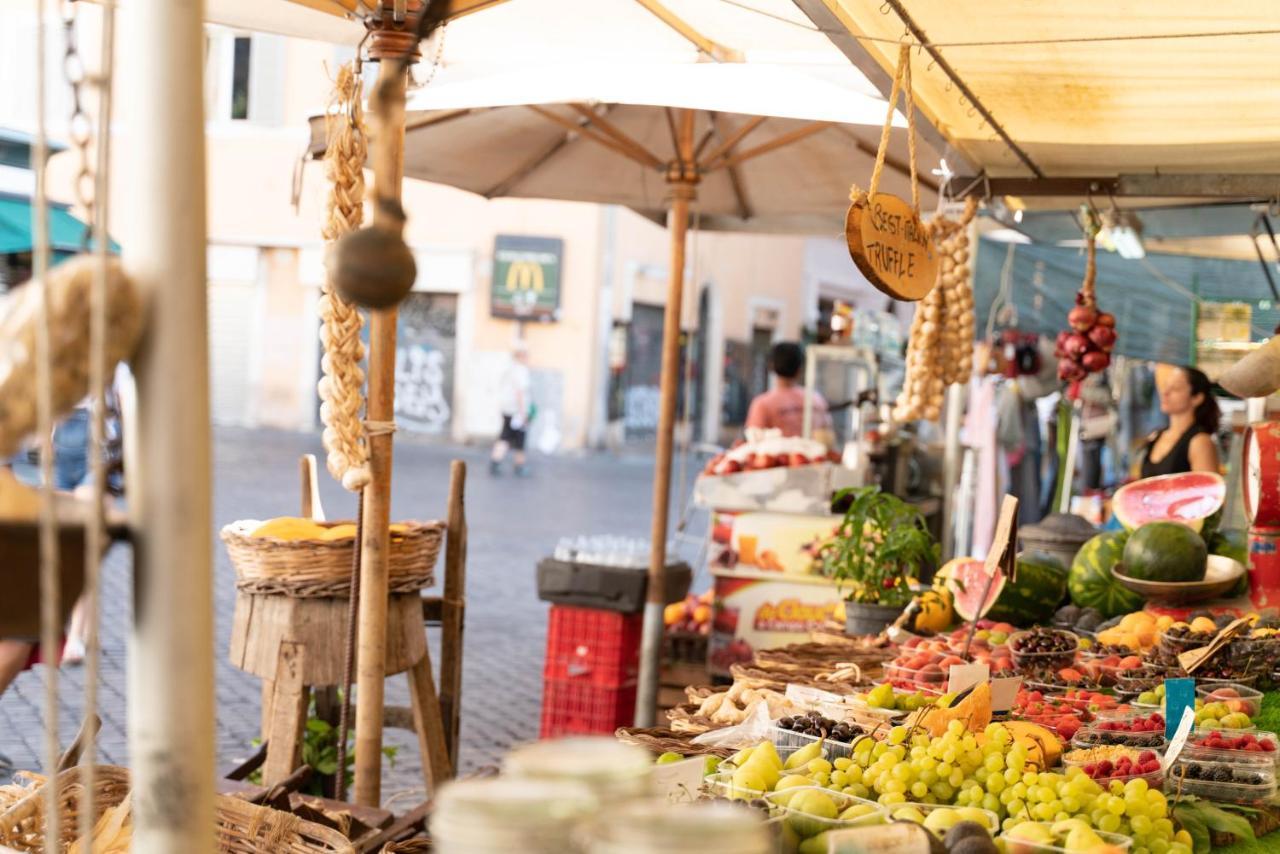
885 8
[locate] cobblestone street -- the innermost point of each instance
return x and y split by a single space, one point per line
513 522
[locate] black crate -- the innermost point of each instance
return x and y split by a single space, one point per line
611 588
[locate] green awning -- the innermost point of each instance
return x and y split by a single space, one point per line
66 233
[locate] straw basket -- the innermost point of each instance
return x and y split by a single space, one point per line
242 828
322 568
22 823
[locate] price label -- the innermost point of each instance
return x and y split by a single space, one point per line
1179 696
1179 739
811 698
962 676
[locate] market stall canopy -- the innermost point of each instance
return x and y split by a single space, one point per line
779 148
1088 88
1155 299
66 233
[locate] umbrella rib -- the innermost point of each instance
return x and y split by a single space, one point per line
526 169
638 151
733 139
710 47
735 176
777 142
438 118
589 133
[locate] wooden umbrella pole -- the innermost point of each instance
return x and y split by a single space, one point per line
388 170
682 177
171 650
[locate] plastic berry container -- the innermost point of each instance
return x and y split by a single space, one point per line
1197 747
1040 661
1090 736
1248 783
1153 778
922 679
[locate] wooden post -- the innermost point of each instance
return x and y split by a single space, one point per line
388 169
288 714
682 178
171 651
453 608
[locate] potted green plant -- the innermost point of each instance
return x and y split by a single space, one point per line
880 547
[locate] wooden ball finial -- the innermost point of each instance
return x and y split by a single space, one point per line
373 267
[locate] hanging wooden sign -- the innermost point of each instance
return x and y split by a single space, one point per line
891 246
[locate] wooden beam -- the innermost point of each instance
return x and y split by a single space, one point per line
711 48
586 132
618 136
891 162
780 141
1192 185
454 610
733 138
823 14
288 715
429 726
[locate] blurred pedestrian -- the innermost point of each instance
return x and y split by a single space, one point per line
782 407
517 410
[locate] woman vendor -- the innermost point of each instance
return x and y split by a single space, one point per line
1188 443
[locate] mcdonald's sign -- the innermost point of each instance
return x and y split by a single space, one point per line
526 277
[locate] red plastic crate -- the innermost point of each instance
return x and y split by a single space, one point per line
591 645
575 707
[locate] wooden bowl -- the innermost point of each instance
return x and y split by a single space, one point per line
1221 574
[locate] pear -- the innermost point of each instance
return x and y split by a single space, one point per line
814 845
740 758
1083 839
748 784
910 814
765 751
858 811
801 757
941 820
791 781
810 812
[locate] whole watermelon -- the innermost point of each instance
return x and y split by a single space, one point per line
1039 589
1165 551
1091 583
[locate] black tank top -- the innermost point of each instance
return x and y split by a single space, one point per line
1178 459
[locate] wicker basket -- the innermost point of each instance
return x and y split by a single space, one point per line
22 824
242 827
322 568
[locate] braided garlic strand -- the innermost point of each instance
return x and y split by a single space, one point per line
940 346
342 385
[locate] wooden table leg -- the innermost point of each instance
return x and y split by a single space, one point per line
268 691
429 725
288 715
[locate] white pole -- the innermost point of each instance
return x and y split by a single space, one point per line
951 465
171 697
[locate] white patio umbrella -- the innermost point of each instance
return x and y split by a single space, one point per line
749 146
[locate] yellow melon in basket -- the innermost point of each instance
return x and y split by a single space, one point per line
345 531
289 528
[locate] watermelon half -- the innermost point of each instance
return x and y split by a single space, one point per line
1191 499
1032 598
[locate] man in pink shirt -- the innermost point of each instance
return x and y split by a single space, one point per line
782 407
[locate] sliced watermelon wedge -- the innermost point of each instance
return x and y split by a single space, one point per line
1189 499
966 579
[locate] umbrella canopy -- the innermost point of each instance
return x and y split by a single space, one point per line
777 148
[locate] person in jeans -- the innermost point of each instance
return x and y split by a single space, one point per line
516 409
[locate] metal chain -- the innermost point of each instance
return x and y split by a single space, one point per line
79 126
435 60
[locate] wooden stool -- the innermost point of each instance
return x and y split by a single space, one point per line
296 645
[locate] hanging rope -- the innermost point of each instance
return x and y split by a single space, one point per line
901 84
50 592
341 387
95 543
